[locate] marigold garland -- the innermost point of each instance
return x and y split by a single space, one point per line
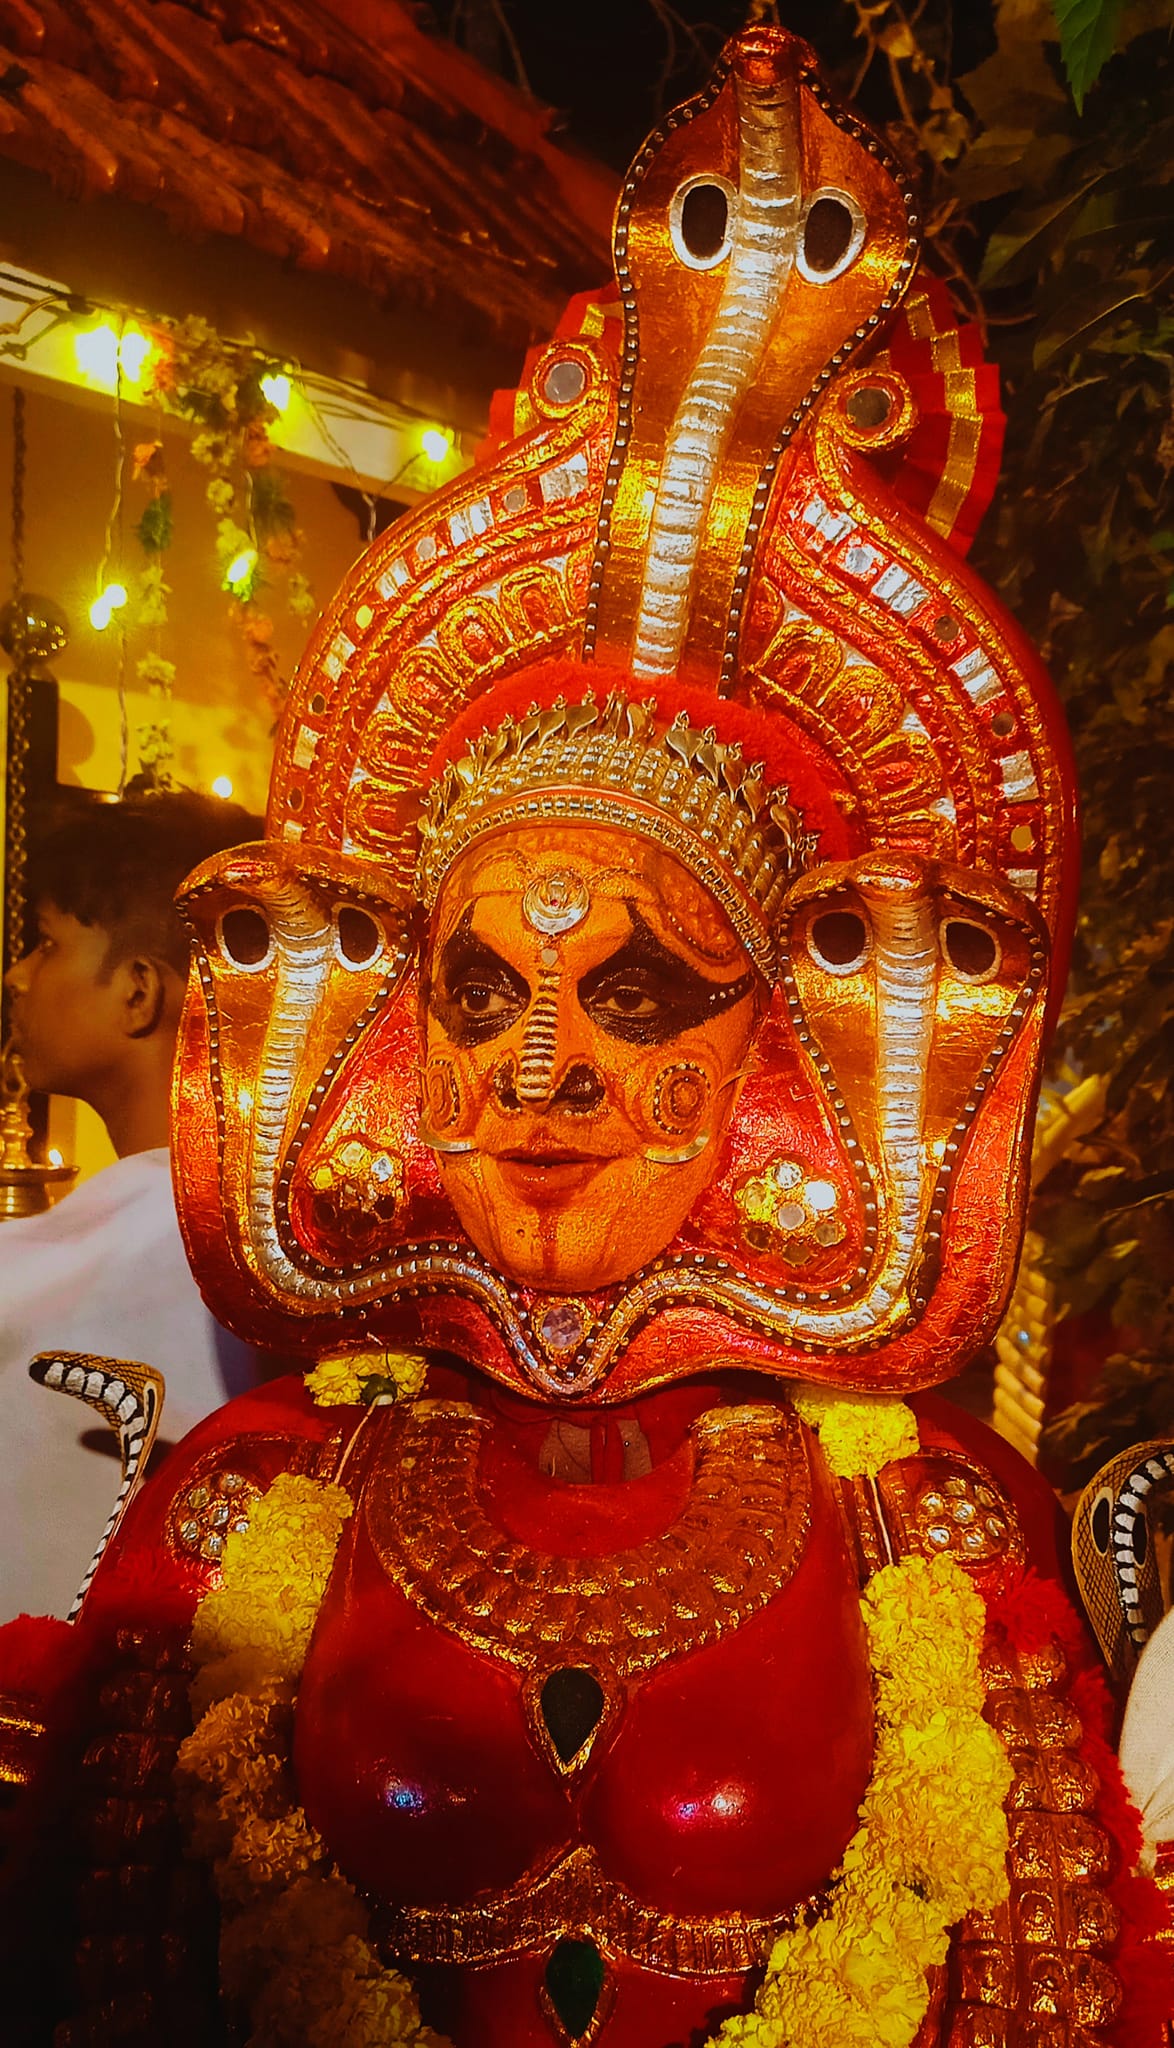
858 1433
371 1377
930 1847
294 1948
257 1625
932 1840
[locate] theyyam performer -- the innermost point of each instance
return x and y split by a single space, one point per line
614 1075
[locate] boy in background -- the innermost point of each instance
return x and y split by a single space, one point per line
95 1012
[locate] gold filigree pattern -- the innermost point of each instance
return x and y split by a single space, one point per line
942 1505
858 713
681 788
143 1927
478 640
488 576
218 1492
575 1897
211 1510
788 1210
1034 1970
1035 1967
736 1542
1005 801
21 1727
358 1182
1164 1879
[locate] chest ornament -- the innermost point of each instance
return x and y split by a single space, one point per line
735 1543
575 1897
931 1847
932 1838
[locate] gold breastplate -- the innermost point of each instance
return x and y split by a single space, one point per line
733 1546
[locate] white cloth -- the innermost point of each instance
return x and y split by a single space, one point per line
1147 1740
104 1271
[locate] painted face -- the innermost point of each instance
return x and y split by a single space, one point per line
588 1015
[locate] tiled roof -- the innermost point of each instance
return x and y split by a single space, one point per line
337 138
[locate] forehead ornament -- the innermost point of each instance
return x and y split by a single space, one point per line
556 903
612 764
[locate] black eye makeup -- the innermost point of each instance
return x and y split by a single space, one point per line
475 994
646 994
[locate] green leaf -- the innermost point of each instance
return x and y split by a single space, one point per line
1080 316
153 531
1005 159
1134 342
1015 249
1088 37
1016 87
273 511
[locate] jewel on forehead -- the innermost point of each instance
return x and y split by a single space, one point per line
556 902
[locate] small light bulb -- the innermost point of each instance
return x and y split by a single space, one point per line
222 786
277 389
96 350
109 601
56 1158
133 351
240 569
436 443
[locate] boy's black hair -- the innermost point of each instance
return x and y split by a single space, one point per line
119 865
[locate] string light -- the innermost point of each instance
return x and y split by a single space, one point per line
102 353
102 610
97 353
133 350
278 390
222 786
436 443
239 574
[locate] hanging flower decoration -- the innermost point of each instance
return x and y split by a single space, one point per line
931 1845
858 1433
369 1377
227 392
295 1951
219 386
154 672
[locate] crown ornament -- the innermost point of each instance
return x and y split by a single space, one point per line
730 616
616 763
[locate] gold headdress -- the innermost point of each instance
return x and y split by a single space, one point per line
608 763
685 488
733 489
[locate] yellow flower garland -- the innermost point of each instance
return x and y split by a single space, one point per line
371 1376
932 1840
858 1433
294 1951
930 1847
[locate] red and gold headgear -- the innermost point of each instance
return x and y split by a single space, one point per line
706 582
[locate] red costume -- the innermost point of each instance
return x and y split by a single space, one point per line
635 1010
